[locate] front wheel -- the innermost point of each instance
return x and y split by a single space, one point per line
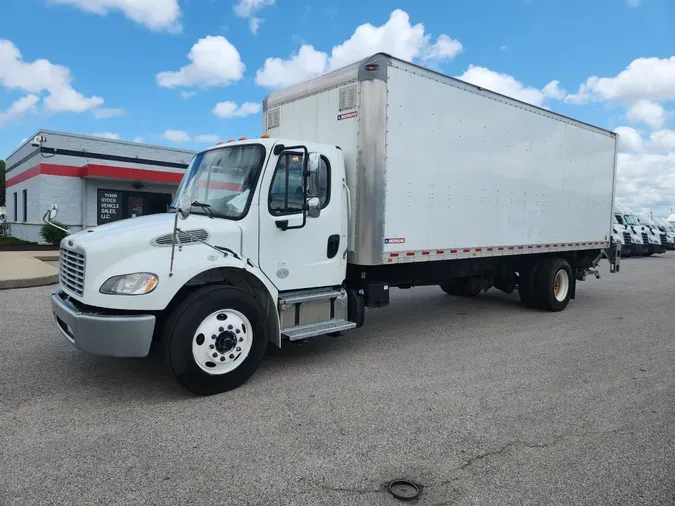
215 339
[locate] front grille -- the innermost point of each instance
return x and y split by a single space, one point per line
664 239
72 271
626 238
645 238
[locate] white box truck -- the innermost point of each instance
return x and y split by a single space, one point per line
376 176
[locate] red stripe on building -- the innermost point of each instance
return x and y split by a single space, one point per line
93 170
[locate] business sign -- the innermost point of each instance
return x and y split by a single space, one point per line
109 206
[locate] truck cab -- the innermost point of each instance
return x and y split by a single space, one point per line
665 228
632 242
657 241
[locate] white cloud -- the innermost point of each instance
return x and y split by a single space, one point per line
630 140
108 112
633 3
207 138
214 62
19 108
644 79
176 136
248 8
305 64
647 112
158 15
139 139
187 95
396 37
510 86
108 135
42 75
231 110
647 181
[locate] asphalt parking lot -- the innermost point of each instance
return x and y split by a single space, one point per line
480 402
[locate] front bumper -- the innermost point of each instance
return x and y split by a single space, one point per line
657 248
103 334
637 249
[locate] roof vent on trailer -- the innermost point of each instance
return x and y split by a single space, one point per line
348 97
273 118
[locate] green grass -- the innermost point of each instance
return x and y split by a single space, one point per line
14 241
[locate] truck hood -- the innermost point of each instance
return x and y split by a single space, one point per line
143 232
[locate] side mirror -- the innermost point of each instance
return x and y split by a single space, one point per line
184 207
53 212
314 163
313 207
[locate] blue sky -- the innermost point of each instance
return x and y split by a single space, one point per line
189 72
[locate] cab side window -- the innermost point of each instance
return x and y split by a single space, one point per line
286 195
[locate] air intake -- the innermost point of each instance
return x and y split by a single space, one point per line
182 238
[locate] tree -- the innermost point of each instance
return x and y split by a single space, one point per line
2 183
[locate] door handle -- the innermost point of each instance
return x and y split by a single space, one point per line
333 245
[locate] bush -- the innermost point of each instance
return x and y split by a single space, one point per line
53 235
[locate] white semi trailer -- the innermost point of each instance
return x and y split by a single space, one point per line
376 176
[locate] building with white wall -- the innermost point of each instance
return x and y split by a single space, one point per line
93 180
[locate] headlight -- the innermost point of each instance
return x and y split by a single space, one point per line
138 283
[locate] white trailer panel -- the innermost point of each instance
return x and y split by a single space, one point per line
439 168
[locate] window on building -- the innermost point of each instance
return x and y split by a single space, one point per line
25 205
16 207
286 194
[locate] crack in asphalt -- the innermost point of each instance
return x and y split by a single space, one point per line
477 458
526 444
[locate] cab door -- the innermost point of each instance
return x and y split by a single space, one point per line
292 255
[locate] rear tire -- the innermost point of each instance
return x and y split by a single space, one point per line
553 284
236 320
526 290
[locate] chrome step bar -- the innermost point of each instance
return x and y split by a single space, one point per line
296 297
317 329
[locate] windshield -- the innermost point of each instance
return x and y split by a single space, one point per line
630 220
224 179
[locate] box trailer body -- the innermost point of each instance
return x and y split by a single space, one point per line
438 168
380 175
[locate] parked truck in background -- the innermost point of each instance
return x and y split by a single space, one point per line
632 244
665 229
656 239
379 175
651 241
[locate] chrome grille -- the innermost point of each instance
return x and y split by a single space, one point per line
72 271
183 237
645 238
664 239
626 238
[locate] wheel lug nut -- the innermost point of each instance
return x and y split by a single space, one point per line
212 346
238 348
231 356
220 329
237 331
215 355
230 327
213 336
241 339
222 359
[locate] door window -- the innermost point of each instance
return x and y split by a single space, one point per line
286 194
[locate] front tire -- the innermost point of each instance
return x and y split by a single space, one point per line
215 339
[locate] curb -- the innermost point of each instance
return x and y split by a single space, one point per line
51 279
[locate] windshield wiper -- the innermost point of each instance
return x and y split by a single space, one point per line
205 207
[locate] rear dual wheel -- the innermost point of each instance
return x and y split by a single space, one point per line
547 285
